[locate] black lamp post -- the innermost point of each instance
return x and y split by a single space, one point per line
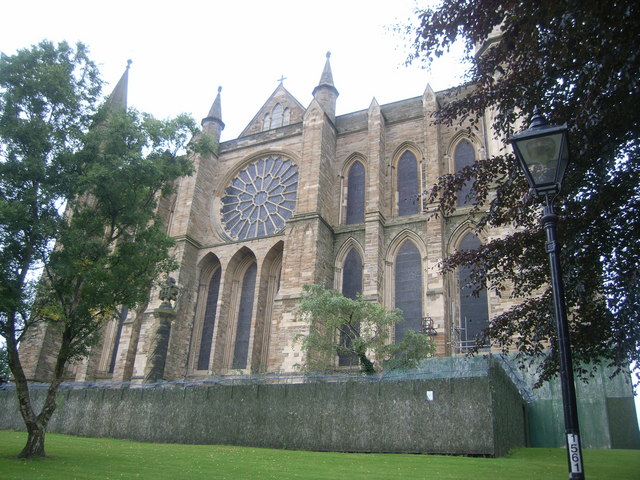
543 152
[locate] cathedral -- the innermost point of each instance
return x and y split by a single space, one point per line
305 196
301 196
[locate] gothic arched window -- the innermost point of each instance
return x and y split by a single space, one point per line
408 289
474 309
211 307
408 185
355 194
267 293
245 311
351 288
352 275
266 122
286 117
464 156
277 116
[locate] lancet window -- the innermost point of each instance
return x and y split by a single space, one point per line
245 315
474 309
351 288
208 324
407 184
355 194
464 156
408 288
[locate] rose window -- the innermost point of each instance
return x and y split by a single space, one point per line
260 199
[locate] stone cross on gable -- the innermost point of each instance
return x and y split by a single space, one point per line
282 79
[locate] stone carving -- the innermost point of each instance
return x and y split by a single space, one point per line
169 293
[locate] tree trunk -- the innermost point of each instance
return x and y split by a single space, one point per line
35 442
36 424
366 365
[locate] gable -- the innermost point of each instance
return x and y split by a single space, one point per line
279 110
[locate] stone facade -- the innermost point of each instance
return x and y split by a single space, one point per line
309 247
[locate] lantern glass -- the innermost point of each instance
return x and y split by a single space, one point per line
543 152
541 156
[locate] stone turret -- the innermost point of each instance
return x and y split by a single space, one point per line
326 93
494 37
212 123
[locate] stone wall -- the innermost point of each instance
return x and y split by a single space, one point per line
477 411
311 247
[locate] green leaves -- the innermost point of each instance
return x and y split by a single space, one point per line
79 193
340 325
408 353
579 62
47 98
113 245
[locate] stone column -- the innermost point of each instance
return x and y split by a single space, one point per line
163 317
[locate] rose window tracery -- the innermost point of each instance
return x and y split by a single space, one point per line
260 199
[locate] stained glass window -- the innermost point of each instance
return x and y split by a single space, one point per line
464 157
408 284
209 321
355 194
260 199
474 309
351 287
408 184
352 275
241 350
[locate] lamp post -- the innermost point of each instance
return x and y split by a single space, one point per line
543 152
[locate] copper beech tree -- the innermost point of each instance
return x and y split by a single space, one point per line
578 61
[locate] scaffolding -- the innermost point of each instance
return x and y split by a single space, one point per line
427 328
461 343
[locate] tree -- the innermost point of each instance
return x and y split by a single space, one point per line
578 61
343 326
78 196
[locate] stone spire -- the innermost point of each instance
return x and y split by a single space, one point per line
326 93
118 98
212 123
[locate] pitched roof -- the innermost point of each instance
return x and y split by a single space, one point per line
279 96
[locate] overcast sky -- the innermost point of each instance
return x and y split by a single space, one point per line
182 51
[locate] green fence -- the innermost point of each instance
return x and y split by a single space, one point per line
477 411
476 406
606 411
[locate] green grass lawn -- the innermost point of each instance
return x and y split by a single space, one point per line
98 458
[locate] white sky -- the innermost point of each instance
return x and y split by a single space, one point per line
182 51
